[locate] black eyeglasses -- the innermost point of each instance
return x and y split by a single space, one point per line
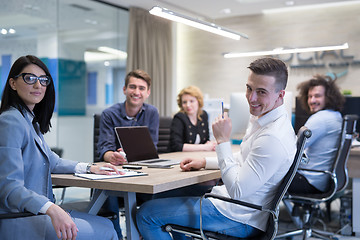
31 79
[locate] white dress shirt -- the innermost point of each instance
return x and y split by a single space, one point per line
254 174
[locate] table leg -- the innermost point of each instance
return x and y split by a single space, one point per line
97 201
130 212
356 206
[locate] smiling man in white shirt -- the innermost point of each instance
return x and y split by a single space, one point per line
252 175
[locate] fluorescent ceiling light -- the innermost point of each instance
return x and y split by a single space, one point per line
104 54
206 26
309 7
278 51
119 53
90 56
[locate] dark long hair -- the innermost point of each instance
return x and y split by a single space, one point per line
44 109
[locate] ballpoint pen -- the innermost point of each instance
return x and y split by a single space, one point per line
106 169
222 109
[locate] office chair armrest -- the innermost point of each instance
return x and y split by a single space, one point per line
314 170
58 186
17 215
246 204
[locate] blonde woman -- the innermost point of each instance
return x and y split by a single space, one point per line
189 127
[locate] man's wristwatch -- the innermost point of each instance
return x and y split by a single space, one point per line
88 167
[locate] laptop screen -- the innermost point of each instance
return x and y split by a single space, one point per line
136 143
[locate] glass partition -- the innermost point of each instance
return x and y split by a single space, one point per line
83 43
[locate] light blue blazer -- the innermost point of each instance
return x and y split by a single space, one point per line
26 164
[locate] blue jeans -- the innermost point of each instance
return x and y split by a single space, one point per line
184 211
112 203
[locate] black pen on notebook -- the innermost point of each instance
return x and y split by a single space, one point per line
222 109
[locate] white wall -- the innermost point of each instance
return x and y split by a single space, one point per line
74 135
200 61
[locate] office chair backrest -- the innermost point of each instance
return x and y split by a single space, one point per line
273 208
303 134
96 154
164 134
339 165
58 151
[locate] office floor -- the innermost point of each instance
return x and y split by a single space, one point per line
286 225
74 194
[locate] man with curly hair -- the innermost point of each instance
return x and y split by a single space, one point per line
320 97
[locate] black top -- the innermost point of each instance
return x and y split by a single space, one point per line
183 131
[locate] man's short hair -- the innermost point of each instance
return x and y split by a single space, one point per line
138 73
333 98
271 67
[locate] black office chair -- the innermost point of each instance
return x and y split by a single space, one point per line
272 208
96 133
17 215
310 203
164 134
59 152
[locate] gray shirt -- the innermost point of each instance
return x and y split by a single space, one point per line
321 148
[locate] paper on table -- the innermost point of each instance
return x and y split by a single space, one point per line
128 173
355 143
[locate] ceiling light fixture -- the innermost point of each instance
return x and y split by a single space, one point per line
104 54
293 8
12 31
5 31
206 26
119 53
279 51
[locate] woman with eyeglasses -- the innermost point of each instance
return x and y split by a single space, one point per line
26 162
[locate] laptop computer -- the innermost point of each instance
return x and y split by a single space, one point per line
137 143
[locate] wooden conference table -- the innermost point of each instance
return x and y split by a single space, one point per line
158 180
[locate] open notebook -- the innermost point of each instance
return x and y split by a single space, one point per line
128 173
